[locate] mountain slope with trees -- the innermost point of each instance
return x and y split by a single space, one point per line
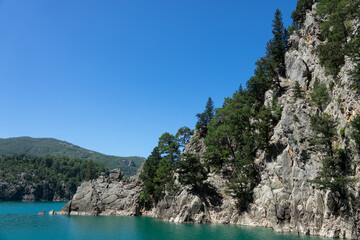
46 178
54 147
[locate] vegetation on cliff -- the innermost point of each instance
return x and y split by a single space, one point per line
235 134
340 17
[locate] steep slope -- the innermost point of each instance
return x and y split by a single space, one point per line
285 198
54 147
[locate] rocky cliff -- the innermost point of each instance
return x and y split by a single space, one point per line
284 199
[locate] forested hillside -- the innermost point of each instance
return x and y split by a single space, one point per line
30 178
54 147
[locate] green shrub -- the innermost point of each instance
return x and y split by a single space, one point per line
320 96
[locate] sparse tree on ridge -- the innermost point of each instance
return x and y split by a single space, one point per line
277 46
205 118
183 135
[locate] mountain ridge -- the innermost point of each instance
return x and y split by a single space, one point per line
56 147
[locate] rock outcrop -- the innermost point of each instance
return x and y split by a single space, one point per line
41 212
284 199
106 195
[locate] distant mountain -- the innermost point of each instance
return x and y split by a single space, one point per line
55 147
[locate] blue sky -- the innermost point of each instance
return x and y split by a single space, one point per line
112 76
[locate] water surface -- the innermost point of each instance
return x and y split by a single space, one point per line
20 221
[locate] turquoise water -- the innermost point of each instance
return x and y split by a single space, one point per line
20 221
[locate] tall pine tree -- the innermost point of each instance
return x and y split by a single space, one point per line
205 118
277 46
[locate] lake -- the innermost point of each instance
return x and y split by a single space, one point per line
19 220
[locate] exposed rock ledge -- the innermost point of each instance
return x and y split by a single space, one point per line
107 195
272 208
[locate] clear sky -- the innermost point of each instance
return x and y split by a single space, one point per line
113 75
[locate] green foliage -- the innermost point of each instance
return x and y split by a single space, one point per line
205 118
297 91
336 30
54 147
333 174
219 145
304 156
269 67
299 14
169 147
267 118
90 171
158 170
227 132
320 95
50 176
237 131
342 130
331 57
261 81
148 174
244 125
191 171
277 46
324 128
183 135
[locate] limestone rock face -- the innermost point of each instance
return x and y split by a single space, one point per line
285 199
115 175
297 70
106 195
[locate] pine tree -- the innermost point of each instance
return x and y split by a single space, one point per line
277 47
147 175
261 81
333 173
324 128
183 135
297 91
191 171
205 118
169 147
267 119
164 175
320 95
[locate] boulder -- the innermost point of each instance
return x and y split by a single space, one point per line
115 175
41 212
